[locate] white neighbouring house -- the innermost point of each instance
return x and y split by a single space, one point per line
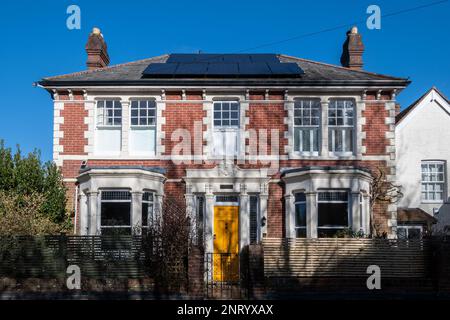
423 153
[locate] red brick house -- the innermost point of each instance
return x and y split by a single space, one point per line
251 145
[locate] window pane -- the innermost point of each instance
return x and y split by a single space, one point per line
306 140
147 210
300 197
297 139
332 214
300 215
349 140
115 213
401 233
414 233
338 141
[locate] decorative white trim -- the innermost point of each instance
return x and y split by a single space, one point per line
57 132
242 182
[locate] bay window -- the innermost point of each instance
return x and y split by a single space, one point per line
341 123
306 126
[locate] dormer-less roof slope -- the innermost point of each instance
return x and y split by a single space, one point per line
405 112
315 74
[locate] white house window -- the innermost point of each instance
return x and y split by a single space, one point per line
433 181
109 113
147 211
333 212
226 114
341 122
306 125
300 215
142 127
409 232
109 127
115 206
226 124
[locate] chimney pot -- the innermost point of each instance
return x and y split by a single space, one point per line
353 50
97 50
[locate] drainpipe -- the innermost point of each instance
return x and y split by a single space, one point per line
76 210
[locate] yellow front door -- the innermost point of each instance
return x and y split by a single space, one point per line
226 243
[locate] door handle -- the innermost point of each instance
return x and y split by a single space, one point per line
214 236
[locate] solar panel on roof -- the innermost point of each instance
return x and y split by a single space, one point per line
285 68
264 57
161 68
222 69
192 68
239 65
258 68
192 58
236 58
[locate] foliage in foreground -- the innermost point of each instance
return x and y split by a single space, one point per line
21 215
34 190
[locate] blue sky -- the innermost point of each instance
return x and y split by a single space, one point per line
35 43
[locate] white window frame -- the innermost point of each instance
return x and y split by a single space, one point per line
349 206
137 127
423 183
104 116
228 202
302 127
116 201
150 215
227 128
342 129
408 227
131 117
102 127
294 222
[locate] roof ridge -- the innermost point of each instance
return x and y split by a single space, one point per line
106 68
416 102
339 67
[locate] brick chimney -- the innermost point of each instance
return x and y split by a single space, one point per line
352 50
97 50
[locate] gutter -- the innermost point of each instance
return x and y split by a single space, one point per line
225 82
